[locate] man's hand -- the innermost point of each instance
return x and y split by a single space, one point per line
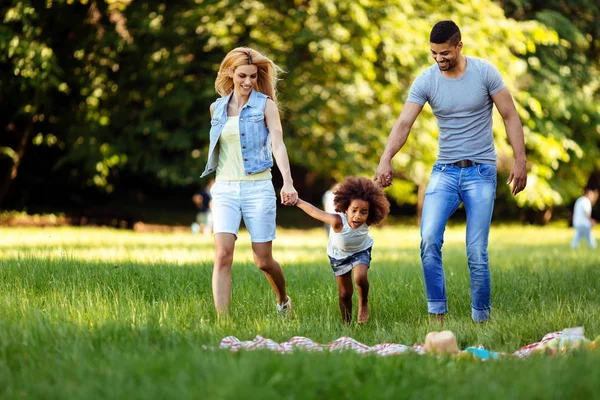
384 174
518 177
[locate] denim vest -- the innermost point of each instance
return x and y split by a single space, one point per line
254 136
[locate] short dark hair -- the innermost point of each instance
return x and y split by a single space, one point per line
445 31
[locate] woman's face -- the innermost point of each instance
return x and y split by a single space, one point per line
244 79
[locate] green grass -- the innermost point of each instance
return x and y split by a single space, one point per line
101 313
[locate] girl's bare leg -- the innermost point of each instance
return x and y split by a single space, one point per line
345 289
362 286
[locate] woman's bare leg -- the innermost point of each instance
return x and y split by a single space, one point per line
221 276
263 257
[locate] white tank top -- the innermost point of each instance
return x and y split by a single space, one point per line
349 240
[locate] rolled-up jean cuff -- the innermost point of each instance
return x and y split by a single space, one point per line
480 315
437 307
263 240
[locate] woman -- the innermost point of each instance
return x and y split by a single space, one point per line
245 134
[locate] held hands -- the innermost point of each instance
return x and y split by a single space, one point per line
384 174
518 176
289 195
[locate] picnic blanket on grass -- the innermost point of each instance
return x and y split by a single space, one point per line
551 343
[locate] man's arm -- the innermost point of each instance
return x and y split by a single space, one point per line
514 131
396 140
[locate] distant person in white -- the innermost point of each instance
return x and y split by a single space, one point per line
328 204
582 218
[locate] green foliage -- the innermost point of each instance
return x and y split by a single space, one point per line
31 76
129 88
403 191
560 99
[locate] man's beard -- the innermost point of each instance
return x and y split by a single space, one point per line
448 66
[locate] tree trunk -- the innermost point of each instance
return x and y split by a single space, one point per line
9 175
546 215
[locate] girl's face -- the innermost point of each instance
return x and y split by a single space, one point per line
357 213
244 79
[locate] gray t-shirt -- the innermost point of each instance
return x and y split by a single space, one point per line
463 108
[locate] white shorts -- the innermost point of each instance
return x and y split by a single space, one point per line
255 201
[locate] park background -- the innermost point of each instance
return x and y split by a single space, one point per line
105 103
104 121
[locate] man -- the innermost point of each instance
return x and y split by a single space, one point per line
461 91
582 218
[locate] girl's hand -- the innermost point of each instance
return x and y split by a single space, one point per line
289 195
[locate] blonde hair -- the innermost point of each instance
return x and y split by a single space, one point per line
267 71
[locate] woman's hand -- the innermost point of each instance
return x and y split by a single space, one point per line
289 195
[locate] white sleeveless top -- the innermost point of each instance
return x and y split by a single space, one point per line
349 240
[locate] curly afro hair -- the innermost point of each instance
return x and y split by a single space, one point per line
363 189
445 31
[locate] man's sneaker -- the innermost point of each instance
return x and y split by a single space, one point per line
285 309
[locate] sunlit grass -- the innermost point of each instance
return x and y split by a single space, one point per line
101 312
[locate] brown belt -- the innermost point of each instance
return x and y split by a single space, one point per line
463 163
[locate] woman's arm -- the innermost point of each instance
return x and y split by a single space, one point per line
334 220
289 196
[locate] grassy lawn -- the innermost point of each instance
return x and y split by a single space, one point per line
101 313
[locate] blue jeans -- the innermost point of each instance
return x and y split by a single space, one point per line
345 265
449 186
584 232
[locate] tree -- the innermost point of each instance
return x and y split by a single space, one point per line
129 88
30 78
561 98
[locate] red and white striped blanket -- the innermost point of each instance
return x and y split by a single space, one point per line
299 342
347 343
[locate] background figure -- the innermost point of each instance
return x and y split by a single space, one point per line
328 204
202 199
582 218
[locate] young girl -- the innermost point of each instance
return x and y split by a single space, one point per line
359 203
